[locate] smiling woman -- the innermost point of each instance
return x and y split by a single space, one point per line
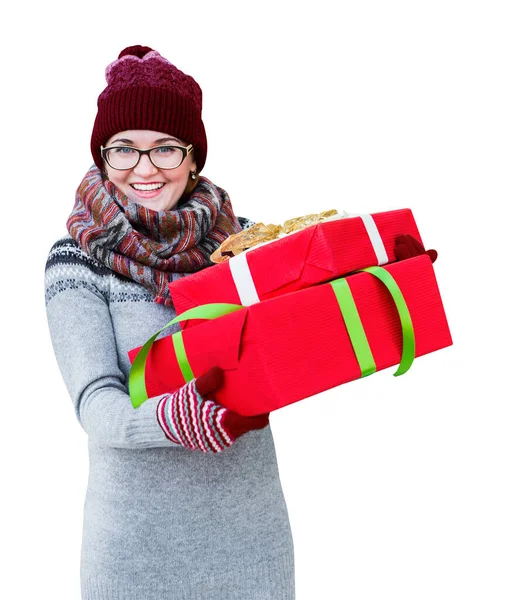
184 498
149 168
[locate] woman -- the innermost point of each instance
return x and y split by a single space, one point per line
171 511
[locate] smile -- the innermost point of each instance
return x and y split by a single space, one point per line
147 187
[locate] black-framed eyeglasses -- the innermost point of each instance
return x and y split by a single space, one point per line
123 158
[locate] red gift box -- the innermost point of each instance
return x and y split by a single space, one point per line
291 347
299 260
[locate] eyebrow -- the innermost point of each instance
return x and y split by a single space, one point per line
160 141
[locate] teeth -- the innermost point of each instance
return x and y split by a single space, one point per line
146 187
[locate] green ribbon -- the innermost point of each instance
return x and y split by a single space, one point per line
357 335
408 340
137 389
354 326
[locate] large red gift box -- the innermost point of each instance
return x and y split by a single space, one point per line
296 261
293 346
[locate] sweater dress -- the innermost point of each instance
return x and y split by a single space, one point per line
160 522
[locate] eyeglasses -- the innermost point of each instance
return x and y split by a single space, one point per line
123 158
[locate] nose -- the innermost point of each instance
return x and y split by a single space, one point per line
144 168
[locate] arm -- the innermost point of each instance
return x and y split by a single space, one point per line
83 340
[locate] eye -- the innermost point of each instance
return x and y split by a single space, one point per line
123 150
166 150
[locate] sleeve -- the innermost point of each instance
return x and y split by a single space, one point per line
83 340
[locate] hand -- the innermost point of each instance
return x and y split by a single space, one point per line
407 246
191 418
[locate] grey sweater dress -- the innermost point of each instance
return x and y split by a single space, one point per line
161 522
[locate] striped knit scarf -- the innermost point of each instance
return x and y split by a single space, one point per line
150 247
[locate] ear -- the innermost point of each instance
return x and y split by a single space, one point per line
193 161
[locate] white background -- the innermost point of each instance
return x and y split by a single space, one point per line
396 487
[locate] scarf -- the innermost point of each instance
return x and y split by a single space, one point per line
150 247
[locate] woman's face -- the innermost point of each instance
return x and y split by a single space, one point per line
174 180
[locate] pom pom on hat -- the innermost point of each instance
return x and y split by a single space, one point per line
146 91
139 51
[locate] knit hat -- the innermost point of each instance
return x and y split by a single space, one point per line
146 91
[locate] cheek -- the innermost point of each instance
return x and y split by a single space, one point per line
179 179
118 178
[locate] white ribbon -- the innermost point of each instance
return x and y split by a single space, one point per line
374 235
242 276
243 279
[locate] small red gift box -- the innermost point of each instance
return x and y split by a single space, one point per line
293 346
296 261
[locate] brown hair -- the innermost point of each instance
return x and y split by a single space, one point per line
191 185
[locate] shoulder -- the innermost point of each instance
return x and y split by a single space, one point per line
245 222
66 252
70 267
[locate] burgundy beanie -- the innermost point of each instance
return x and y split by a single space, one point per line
146 91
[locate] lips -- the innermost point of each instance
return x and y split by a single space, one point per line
147 190
147 187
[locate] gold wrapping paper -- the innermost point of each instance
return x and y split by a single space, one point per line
259 233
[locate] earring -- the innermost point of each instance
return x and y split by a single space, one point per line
193 174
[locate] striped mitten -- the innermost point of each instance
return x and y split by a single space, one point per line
190 418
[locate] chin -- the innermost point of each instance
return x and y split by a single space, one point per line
153 203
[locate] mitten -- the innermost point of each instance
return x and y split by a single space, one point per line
191 418
407 246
